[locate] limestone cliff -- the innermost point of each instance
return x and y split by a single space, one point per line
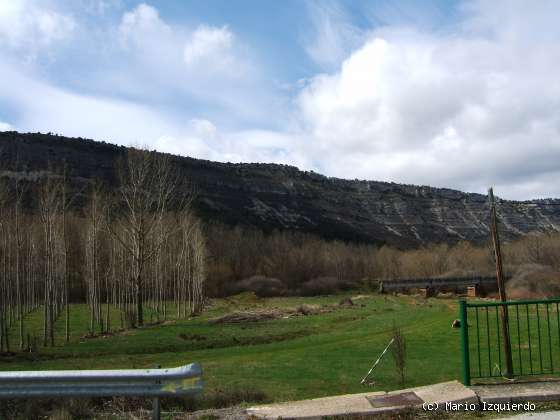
282 197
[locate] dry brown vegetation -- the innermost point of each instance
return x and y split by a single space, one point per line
286 263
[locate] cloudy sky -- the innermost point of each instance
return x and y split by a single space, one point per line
459 94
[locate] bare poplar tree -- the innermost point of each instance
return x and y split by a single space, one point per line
198 270
95 221
145 192
4 289
17 268
50 206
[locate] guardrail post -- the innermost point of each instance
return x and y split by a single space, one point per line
466 367
156 408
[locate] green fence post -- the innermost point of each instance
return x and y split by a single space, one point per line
466 373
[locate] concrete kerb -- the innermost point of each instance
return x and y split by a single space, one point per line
519 392
367 403
440 396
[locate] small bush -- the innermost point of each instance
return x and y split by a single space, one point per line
347 301
262 286
534 281
324 286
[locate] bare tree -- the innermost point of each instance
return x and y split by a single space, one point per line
17 268
4 288
50 206
146 187
95 222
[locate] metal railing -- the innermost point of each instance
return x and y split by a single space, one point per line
183 380
534 334
414 283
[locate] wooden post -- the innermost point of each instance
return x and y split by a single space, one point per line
156 407
466 367
501 287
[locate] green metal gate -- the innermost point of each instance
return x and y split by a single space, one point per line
534 333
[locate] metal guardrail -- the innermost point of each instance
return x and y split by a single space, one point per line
183 380
534 334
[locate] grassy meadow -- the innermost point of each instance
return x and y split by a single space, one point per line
287 358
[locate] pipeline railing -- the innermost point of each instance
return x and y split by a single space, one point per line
534 336
415 283
183 380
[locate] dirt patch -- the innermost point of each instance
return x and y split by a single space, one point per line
346 302
274 313
310 310
249 316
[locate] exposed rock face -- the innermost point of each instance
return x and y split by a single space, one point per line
282 197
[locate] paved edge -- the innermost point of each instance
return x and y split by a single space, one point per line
518 392
357 404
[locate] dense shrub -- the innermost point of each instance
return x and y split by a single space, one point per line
324 286
534 281
262 286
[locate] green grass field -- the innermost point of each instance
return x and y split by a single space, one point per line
287 359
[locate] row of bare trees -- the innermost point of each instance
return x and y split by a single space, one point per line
141 246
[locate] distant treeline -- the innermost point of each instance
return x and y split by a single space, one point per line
244 259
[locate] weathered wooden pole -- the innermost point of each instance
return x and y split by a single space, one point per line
501 287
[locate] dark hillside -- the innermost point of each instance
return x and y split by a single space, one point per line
281 197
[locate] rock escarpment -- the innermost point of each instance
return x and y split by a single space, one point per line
281 197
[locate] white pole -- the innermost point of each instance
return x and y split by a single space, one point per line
377 361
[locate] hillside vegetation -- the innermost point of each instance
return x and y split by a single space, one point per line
280 197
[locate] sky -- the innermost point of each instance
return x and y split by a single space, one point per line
456 94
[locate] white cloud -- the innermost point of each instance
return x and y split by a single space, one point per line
212 51
47 108
26 28
4 126
137 69
204 53
43 107
202 65
333 37
142 23
101 7
467 110
207 42
202 139
204 128
475 106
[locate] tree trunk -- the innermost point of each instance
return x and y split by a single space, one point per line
139 306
